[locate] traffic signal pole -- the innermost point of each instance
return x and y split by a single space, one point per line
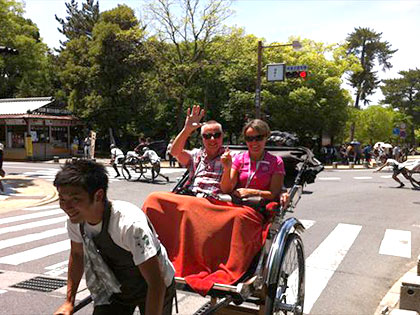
258 87
296 45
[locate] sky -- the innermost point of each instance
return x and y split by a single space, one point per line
327 21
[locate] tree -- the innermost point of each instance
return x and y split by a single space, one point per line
366 44
182 43
26 74
404 94
375 123
105 75
78 22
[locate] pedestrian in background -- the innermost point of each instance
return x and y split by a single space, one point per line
396 153
170 156
2 172
86 147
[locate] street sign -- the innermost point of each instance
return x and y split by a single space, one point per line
275 72
403 134
296 68
396 131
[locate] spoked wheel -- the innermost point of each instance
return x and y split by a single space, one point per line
150 171
131 169
287 295
415 180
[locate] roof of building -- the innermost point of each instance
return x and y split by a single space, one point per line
9 106
36 116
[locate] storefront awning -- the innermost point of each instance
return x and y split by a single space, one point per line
10 106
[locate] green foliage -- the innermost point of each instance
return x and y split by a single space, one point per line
375 123
105 75
27 74
404 94
79 22
366 44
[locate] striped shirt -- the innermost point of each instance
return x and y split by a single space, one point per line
205 174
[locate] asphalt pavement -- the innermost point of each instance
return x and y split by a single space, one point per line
23 192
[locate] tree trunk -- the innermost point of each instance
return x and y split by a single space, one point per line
356 105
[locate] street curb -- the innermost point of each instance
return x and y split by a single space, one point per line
391 300
47 200
46 187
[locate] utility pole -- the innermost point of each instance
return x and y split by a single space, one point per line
258 87
296 46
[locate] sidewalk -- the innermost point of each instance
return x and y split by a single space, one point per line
22 192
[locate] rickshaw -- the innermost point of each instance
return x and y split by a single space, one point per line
275 281
413 168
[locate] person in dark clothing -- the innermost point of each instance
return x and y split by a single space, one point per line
114 243
2 172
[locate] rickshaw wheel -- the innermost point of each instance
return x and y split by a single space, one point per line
150 171
131 169
287 295
415 177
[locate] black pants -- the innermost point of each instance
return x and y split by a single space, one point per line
121 309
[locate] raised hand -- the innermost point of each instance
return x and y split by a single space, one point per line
226 159
194 116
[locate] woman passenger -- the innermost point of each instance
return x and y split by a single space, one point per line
254 172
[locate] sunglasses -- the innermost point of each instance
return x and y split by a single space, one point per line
208 136
254 138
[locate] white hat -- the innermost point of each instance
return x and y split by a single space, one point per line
1 146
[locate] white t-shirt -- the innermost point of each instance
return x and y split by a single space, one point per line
152 156
394 163
129 229
117 155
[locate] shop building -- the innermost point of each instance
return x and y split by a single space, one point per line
37 129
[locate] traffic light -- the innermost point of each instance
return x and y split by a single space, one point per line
296 74
8 51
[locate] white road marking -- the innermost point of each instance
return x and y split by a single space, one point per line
386 176
58 265
32 225
27 167
329 178
363 177
35 253
307 223
47 207
56 272
3 291
31 237
30 216
324 261
396 243
57 269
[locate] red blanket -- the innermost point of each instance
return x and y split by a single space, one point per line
208 241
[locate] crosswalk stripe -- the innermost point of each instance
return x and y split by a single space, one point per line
396 243
57 269
307 223
329 178
35 253
363 177
58 265
324 261
32 225
30 216
386 176
31 237
46 207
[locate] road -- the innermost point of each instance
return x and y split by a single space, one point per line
362 235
